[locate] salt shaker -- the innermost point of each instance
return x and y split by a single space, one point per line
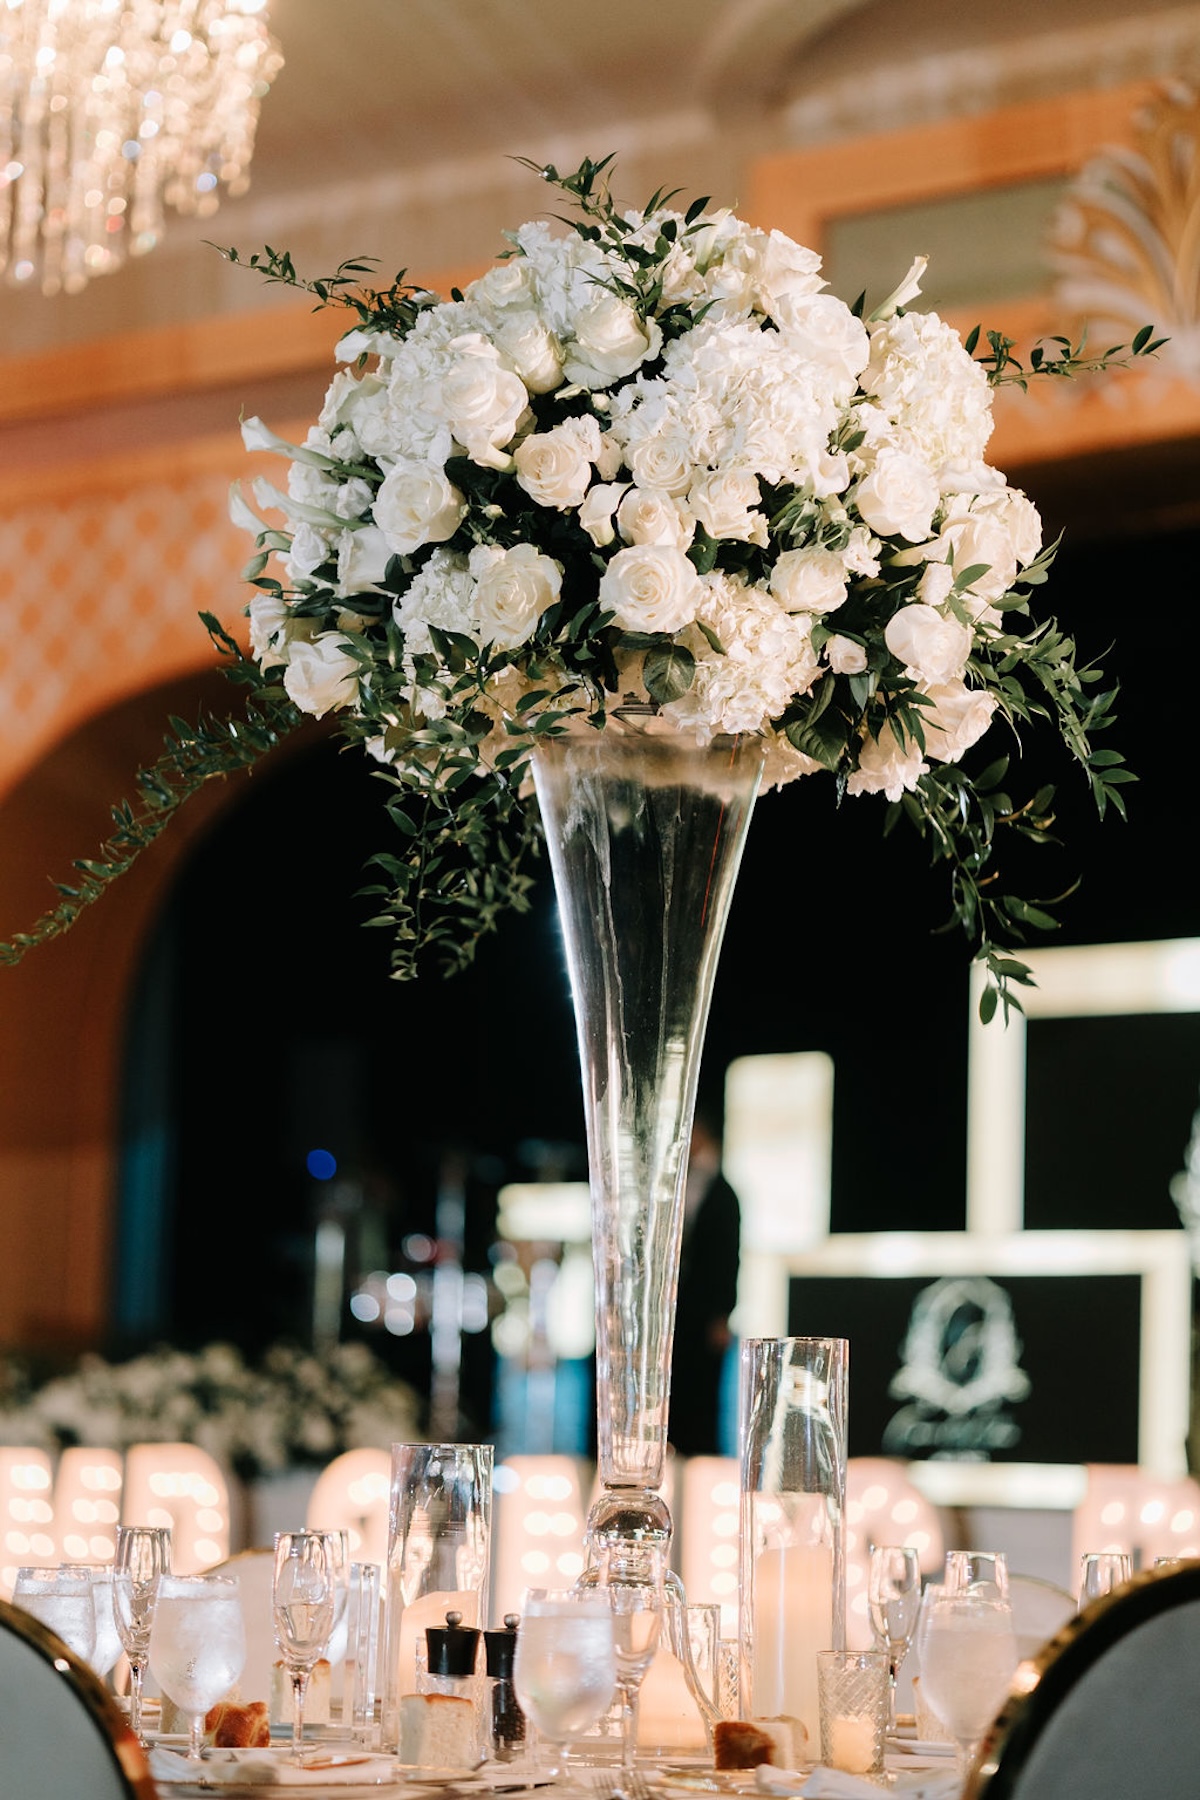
505 1720
452 1651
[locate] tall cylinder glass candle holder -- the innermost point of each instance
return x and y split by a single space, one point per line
439 1550
792 1600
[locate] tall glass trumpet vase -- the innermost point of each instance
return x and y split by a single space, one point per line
645 830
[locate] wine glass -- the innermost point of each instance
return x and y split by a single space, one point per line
1101 1571
303 1596
893 1602
564 1667
338 1542
197 1645
967 1647
143 1557
61 1597
632 1576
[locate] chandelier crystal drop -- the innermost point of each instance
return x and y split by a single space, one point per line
111 109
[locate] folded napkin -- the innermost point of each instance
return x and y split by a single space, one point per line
263 1768
834 1784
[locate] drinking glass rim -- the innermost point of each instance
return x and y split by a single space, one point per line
64 1572
193 1582
547 1601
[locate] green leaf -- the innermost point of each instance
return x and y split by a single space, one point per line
668 673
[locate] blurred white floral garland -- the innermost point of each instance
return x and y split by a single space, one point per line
290 1407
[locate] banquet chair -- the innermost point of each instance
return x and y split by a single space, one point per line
62 1736
1107 1710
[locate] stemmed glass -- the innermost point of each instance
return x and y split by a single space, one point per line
304 1600
61 1598
143 1557
197 1645
967 1647
1101 1571
632 1576
564 1667
893 1602
980 1572
108 1641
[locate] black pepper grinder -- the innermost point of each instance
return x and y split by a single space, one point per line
506 1721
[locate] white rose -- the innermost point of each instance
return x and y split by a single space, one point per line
726 502
416 505
662 461
610 342
899 497
362 559
886 766
651 587
981 541
826 333
480 400
322 675
554 467
596 513
534 351
845 656
812 581
513 593
958 718
652 516
933 648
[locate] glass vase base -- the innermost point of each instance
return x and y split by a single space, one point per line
629 1516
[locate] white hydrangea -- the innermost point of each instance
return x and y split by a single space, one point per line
766 658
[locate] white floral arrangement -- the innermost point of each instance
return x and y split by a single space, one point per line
291 1407
648 458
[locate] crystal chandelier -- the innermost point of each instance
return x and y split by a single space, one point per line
110 109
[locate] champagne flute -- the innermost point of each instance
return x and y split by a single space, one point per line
967 1647
143 1557
564 1666
1101 1571
61 1597
632 1575
303 1598
893 1602
197 1645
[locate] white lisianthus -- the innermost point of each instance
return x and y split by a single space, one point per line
957 719
417 505
652 516
322 675
899 496
609 341
554 467
362 559
810 581
596 513
845 656
726 503
513 589
651 587
933 648
888 766
270 628
309 549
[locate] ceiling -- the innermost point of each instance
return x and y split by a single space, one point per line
391 128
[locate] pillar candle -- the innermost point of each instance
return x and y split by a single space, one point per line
792 1620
